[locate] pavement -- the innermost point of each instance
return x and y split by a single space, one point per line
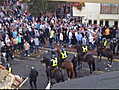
21 65
109 80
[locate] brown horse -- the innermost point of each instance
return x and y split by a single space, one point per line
67 65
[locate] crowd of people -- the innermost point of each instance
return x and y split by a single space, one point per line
20 30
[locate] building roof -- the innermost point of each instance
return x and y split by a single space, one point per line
92 1
103 81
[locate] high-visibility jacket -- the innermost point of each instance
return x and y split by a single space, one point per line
10 70
64 55
55 61
105 43
85 49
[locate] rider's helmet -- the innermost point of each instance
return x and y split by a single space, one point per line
103 39
7 65
32 67
63 49
53 56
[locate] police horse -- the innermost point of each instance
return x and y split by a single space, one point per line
106 52
57 73
86 58
67 65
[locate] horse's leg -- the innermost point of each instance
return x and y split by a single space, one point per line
109 62
93 64
68 74
90 68
100 58
98 54
71 74
47 75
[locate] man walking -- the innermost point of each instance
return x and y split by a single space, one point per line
33 77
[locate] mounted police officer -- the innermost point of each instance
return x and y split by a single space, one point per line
84 50
63 56
53 64
104 42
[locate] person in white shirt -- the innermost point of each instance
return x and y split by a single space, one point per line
61 38
91 40
70 37
36 41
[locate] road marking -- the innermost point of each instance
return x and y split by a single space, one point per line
18 60
31 58
48 86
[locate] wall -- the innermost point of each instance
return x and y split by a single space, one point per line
91 11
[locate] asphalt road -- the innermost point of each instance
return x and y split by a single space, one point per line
21 66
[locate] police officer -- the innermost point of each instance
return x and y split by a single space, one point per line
8 67
53 64
104 43
33 77
83 51
63 56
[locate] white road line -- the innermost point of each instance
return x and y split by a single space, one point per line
48 86
18 60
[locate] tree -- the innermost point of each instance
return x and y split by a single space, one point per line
42 6
1 2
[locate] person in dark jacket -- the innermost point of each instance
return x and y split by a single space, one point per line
33 77
9 52
74 61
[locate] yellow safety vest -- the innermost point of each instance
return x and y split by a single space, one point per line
64 55
85 49
105 43
54 62
52 33
10 70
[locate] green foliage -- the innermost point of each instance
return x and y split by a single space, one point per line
42 6
1 1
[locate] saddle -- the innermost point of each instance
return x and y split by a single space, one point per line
52 71
84 56
104 49
64 62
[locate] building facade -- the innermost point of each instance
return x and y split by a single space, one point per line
99 13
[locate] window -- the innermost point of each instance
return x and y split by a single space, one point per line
116 23
109 8
106 23
90 21
95 21
101 22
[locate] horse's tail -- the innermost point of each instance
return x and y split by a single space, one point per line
62 75
93 64
72 71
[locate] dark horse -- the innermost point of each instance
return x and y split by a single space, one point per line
67 65
106 52
86 58
57 73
